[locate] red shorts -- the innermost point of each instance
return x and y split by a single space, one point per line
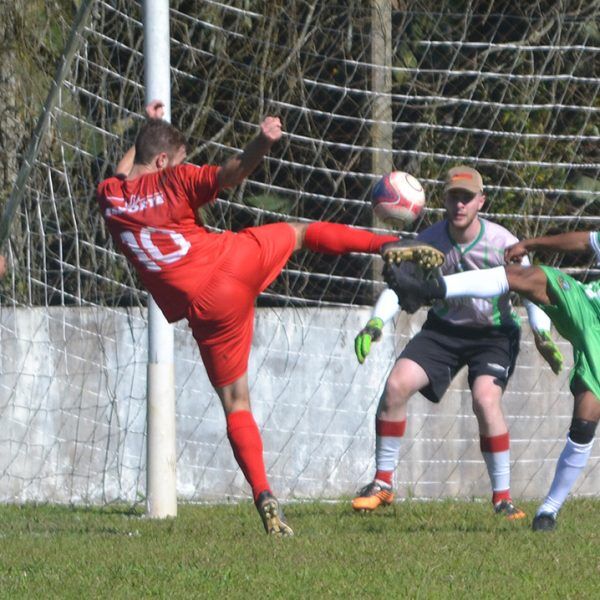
222 316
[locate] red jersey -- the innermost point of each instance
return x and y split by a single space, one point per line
153 220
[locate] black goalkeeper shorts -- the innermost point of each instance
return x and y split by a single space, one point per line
442 349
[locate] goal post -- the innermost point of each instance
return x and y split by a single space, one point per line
161 468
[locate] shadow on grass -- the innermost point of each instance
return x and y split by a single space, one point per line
407 517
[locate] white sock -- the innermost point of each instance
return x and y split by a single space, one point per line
498 468
571 462
387 451
483 283
388 440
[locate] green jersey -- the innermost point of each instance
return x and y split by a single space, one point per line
575 312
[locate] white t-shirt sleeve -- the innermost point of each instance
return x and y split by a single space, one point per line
595 243
538 320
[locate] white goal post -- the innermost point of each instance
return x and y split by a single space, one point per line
514 94
161 463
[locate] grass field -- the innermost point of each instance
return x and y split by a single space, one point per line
411 550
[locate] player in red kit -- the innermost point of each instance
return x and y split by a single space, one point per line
212 279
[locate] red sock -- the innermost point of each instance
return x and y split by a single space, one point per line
501 495
385 476
335 238
247 447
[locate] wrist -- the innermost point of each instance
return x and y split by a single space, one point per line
264 142
527 245
376 322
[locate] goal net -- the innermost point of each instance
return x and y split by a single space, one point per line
362 88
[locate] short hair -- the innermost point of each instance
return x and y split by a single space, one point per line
156 136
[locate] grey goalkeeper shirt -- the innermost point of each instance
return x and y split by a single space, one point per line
485 251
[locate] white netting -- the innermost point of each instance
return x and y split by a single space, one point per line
511 90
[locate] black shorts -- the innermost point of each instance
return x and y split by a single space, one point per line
442 349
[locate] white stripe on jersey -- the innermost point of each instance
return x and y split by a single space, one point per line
595 243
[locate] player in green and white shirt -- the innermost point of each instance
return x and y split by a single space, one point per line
573 307
485 251
482 334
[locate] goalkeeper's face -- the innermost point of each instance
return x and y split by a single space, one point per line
462 207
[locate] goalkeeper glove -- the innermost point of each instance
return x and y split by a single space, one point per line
370 332
549 350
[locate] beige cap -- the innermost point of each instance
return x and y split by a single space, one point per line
464 178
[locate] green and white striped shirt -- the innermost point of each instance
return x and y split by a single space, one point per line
592 289
485 251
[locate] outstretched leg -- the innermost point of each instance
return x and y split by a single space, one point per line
530 282
336 238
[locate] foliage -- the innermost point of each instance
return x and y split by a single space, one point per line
506 87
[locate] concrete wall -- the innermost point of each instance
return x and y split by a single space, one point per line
72 412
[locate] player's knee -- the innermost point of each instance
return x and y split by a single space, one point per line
235 396
397 391
529 281
486 405
582 431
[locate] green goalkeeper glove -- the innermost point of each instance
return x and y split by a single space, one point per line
370 332
549 350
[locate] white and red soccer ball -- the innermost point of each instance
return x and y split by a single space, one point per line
398 197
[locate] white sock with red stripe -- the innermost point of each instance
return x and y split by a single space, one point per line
387 448
496 454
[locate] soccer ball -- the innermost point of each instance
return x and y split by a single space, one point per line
398 197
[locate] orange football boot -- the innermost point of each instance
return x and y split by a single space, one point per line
372 496
508 510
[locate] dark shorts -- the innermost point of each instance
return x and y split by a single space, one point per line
222 316
442 349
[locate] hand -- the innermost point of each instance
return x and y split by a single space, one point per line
362 343
549 350
270 129
156 109
515 253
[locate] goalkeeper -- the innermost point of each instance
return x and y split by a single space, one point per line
481 334
574 308
212 279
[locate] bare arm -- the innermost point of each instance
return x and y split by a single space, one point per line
126 163
237 168
573 241
2 266
154 110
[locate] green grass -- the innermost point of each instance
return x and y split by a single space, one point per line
410 550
